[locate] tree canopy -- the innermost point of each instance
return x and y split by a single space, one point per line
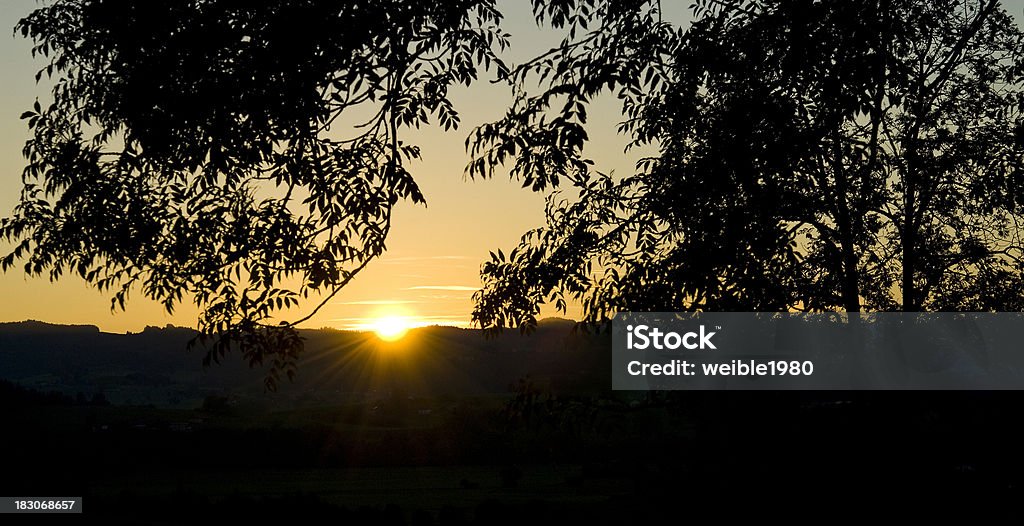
188 150
810 156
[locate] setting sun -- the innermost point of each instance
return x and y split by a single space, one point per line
391 328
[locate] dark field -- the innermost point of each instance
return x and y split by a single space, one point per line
522 457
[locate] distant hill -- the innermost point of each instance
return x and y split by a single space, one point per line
153 366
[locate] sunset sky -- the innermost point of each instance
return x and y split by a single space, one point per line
432 266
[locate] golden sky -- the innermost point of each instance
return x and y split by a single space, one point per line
434 253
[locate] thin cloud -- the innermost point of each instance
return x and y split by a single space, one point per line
456 288
378 302
458 317
368 323
415 259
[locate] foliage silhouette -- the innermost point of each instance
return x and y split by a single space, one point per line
812 156
188 153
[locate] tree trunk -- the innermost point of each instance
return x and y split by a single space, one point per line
847 238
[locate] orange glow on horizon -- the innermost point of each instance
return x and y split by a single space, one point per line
391 328
391 323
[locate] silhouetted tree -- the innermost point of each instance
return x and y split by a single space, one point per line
814 156
188 151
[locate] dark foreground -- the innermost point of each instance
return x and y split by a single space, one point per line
527 457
